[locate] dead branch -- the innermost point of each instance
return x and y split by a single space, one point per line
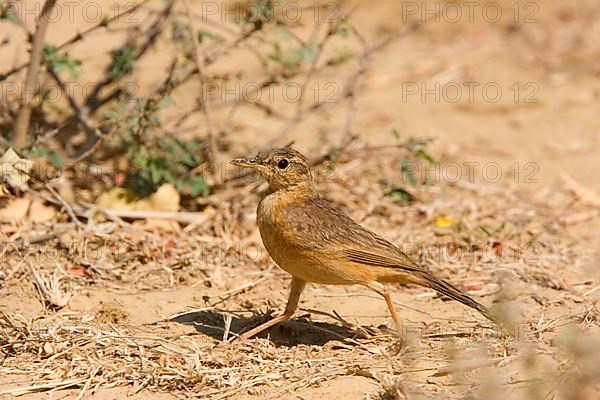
80 35
21 126
211 151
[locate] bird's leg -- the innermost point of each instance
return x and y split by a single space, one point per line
379 288
292 305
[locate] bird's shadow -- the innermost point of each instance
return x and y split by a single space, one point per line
299 330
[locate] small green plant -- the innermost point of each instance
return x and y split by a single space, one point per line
342 28
417 153
293 59
204 35
180 35
154 160
400 194
40 151
58 62
8 13
341 58
122 61
258 13
170 160
419 150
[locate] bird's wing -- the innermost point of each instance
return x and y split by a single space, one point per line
356 243
325 229
370 258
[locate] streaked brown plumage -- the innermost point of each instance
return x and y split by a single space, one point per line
316 242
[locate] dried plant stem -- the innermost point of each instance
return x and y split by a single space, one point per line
313 65
211 153
21 126
179 216
80 35
81 113
66 206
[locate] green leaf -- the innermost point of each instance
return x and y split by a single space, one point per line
202 35
155 174
422 153
416 148
408 173
198 186
156 159
166 102
56 160
40 151
139 184
305 54
399 193
112 114
8 14
342 28
122 61
293 59
341 58
58 62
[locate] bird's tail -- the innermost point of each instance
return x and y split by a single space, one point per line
451 291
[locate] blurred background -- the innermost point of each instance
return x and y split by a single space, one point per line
504 81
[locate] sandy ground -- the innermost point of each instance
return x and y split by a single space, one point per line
548 130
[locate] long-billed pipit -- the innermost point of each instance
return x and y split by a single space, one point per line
316 242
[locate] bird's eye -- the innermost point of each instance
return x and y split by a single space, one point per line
283 164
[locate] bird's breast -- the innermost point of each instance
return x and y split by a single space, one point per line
281 229
275 230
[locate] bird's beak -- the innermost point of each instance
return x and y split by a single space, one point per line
245 162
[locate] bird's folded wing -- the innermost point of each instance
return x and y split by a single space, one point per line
400 261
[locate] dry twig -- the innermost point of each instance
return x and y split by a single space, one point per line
21 127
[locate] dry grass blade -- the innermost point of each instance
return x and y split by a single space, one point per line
475 364
53 385
585 195
179 363
50 288
179 216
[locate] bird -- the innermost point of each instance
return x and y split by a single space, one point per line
318 243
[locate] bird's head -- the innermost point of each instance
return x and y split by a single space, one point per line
282 167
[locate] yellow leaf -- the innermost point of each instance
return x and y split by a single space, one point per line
116 199
14 169
166 198
443 221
